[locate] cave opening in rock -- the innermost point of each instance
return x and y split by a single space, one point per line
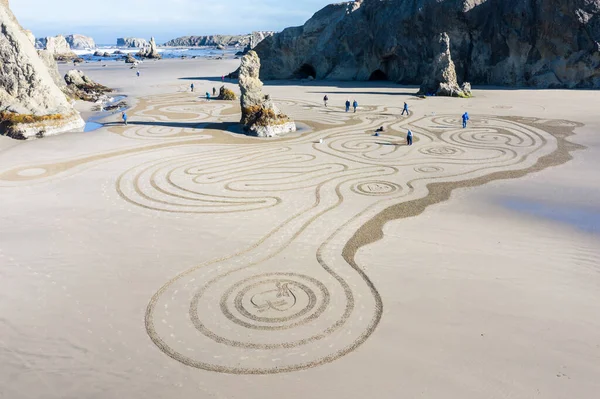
378 75
305 71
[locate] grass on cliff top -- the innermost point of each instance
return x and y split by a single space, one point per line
12 118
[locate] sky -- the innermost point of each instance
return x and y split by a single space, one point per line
106 20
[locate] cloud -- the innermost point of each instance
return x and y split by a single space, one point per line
106 20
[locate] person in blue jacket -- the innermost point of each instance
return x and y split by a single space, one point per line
124 117
355 105
347 105
409 137
405 109
465 119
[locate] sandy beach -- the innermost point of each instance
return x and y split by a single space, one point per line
176 257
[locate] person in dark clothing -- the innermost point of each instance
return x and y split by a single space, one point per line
214 91
347 105
409 137
192 87
325 99
405 109
355 105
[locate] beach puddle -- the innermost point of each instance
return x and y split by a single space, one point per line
92 123
91 126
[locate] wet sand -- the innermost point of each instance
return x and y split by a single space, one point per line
174 257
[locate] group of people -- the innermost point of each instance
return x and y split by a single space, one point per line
208 96
409 134
354 104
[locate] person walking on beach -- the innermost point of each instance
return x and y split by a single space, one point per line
355 105
192 87
214 91
325 99
405 109
124 117
409 137
465 119
138 74
207 96
347 105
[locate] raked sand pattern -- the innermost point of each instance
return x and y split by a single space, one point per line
250 312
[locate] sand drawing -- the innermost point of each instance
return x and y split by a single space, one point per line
250 312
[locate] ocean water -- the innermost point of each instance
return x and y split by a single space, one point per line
166 52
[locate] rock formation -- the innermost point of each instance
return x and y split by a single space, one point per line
150 51
50 63
80 42
30 36
260 116
131 42
251 39
59 48
31 104
226 94
550 43
442 81
258 36
130 59
83 88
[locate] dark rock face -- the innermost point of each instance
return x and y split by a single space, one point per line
541 43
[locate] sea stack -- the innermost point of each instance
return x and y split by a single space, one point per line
59 48
442 80
80 42
31 104
150 51
131 42
260 116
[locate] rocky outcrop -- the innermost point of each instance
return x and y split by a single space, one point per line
31 104
258 36
150 51
260 116
40 43
59 48
81 87
251 39
442 81
226 94
550 43
130 59
131 42
80 42
50 63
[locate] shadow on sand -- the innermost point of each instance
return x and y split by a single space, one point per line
210 79
225 126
